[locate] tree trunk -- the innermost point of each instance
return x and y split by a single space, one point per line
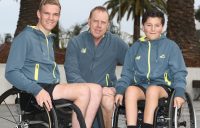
27 14
181 29
136 27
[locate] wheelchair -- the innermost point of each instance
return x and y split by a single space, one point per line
20 110
165 115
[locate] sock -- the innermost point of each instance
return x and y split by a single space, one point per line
146 125
131 126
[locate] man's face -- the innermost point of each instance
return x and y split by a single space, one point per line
98 23
153 28
48 16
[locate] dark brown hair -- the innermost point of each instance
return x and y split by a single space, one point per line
153 13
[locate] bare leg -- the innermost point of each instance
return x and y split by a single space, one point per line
107 112
79 93
95 99
153 94
132 95
107 105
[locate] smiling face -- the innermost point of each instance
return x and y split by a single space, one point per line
98 23
153 28
48 17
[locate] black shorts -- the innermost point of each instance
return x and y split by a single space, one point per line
28 102
48 87
165 87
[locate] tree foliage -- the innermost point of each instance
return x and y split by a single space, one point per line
197 14
133 9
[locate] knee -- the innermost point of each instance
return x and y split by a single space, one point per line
84 92
152 92
108 103
132 93
96 91
129 91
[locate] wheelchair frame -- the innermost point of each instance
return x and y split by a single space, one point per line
164 115
23 119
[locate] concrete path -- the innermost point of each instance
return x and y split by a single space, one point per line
6 124
197 111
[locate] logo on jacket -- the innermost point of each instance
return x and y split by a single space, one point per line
137 57
83 50
162 56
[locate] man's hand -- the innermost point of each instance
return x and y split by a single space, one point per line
110 91
43 97
118 99
178 102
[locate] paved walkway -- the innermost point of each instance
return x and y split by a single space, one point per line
5 124
197 110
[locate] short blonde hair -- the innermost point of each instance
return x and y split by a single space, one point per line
53 2
101 8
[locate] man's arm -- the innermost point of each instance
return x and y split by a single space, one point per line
71 64
122 49
14 65
178 69
127 74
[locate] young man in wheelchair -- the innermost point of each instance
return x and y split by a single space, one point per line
31 66
152 66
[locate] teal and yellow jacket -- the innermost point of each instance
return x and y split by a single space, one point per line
86 62
31 61
154 62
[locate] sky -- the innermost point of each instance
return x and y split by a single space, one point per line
73 12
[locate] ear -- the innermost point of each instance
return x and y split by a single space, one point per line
142 28
108 26
163 29
38 14
89 22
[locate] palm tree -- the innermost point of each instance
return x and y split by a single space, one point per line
27 14
181 29
133 8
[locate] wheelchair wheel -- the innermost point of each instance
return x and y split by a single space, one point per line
185 115
119 119
161 114
13 116
64 109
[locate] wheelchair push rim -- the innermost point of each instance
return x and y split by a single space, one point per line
13 116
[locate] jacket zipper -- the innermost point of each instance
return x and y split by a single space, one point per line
149 58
